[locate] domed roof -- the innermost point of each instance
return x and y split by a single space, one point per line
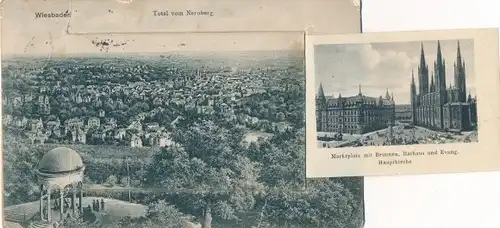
60 159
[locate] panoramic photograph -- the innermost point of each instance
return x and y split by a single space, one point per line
174 139
395 93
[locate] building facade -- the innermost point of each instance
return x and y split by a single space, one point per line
353 115
403 113
436 107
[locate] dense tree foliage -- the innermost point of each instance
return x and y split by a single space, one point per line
211 173
159 214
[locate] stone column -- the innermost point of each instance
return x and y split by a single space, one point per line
49 208
41 202
61 192
73 198
80 186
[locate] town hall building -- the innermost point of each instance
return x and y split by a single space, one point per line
357 114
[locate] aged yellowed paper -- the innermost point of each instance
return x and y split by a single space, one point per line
313 16
402 103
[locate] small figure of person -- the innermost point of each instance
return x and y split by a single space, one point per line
97 205
89 208
93 205
102 204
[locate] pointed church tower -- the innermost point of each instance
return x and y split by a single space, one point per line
321 92
440 74
387 95
321 98
432 88
460 82
413 99
423 73
321 108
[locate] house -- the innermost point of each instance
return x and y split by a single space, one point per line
54 127
135 125
282 126
164 139
20 122
152 126
37 137
93 122
36 124
7 119
78 135
17 101
72 124
98 134
102 113
111 121
120 133
135 141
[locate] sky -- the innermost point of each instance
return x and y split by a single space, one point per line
378 67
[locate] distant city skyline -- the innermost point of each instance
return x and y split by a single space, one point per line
378 67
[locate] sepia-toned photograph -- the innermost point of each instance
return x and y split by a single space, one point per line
402 103
396 93
208 133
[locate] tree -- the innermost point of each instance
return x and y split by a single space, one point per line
283 159
325 203
75 222
19 166
211 162
161 214
112 180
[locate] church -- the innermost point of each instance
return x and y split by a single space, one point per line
357 114
436 107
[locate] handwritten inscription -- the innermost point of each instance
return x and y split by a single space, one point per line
166 13
48 15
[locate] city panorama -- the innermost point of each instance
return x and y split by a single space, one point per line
384 94
164 140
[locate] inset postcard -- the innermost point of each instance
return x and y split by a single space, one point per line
402 103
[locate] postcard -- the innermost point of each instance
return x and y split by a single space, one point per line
159 129
402 103
207 133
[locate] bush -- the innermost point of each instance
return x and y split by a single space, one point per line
111 181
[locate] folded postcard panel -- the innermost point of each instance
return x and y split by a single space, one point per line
117 109
402 103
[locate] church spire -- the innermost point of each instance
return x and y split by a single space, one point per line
423 72
460 81
321 92
387 95
412 78
440 72
459 54
439 54
359 89
422 54
433 87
